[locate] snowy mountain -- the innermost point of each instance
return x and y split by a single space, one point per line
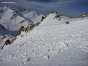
50 43
11 19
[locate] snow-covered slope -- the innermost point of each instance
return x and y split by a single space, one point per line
5 35
11 19
51 20
52 43
4 38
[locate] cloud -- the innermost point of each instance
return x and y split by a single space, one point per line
44 5
64 7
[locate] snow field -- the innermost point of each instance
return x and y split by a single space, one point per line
50 44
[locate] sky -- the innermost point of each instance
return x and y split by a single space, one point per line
70 8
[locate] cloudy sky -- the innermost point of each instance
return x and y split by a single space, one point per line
71 8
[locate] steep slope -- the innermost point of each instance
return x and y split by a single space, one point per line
52 43
55 19
13 19
5 35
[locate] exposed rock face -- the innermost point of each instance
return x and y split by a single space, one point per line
28 29
47 15
13 40
57 16
56 12
20 30
42 18
6 43
32 27
52 12
82 16
37 24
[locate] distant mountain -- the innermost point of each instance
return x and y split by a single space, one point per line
2 28
6 34
13 19
4 31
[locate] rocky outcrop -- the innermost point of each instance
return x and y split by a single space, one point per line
31 27
43 17
52 12
57 16
37 24
13 40
7 42
28 28
82 16
48 15
20 30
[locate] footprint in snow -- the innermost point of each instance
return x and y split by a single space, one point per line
0 60
24 62
28 59
47 57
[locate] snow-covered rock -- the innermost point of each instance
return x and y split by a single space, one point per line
82 16
11 19
52 43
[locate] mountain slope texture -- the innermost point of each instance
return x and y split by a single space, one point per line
51 43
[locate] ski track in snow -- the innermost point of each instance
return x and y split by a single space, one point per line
49 44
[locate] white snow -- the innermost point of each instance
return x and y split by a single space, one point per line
37 18
12 19
5 38
52 43
7 21
31 15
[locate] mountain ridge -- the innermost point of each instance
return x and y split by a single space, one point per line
50 42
